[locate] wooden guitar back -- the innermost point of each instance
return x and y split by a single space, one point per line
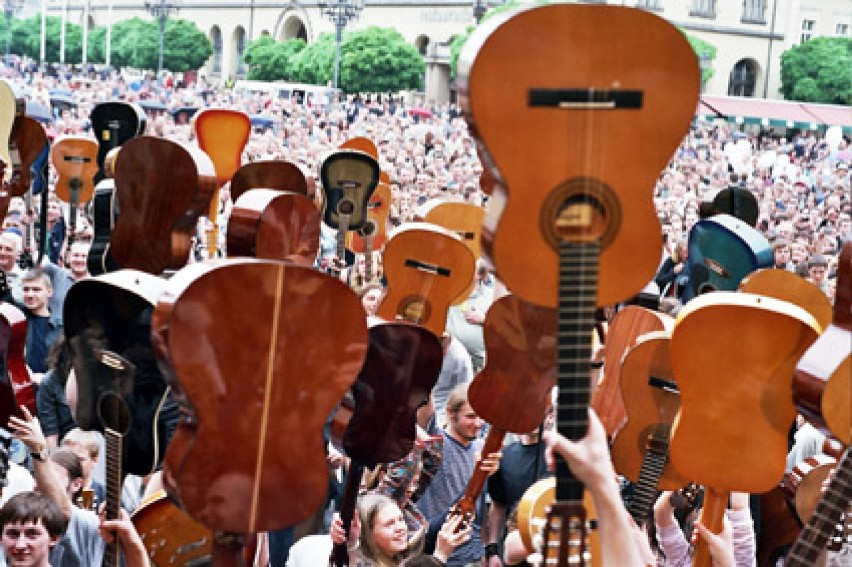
733 355
273 174
274 225
427 268
625 328
8 109
513 390
255 386
170 535
162 188
566 124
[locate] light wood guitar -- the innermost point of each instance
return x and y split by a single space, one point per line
640 451
75 160
427 268
571 223
222 134
8 111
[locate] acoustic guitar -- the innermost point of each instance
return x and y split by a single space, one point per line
651 398
105 214
722 250
821 385
170 535
113 123
8 112
559 133
114 414
625 328
402 365
349 178
273 174
374 234
162 187
75 160
735 393
274 225
239 471
222 134
26 143
427 269
13 337
112 312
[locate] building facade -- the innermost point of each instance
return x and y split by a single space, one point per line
750 35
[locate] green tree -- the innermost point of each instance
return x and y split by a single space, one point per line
269 60
819 70
371 60
315 63
379 60
706 54
186 46
136 43
26 39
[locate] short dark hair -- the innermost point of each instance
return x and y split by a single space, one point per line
32 507
67 459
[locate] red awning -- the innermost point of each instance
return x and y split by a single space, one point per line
742 108
830 114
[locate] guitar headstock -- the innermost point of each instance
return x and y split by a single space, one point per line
564 539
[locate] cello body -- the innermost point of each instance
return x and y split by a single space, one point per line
255 386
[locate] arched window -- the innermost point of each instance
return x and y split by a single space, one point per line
743 78
216 40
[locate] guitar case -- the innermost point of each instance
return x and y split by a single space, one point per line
722 250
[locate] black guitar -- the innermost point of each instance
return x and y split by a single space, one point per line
113 123
114 414
105 213
112 312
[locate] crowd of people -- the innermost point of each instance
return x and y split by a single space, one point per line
801 182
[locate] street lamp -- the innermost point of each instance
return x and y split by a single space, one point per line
340 12
161 10
479 9
10 7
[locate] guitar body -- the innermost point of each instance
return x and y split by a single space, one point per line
590 86
745 374
625 328
778 527
105 214
169 534
163 187
532 513
722 251
274 225
462 218
427 269
273 174
402 365
804 484
255 385
26 143
349 178
788 286
113 123
513 389
13 337
75 160
823 377
222 134
8 112
113 312
376 228
735 201
652 402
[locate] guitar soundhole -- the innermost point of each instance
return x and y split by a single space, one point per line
345 207
414 308
581 209
369 229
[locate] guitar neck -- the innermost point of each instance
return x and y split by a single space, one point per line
466 505
114 441
653 463
342 229
340 554
823 522
578 277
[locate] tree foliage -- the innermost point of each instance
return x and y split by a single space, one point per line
270 60
818 70
371 60
706 53
26 39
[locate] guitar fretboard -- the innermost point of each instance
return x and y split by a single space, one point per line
578 281
653 463
114 442
823 522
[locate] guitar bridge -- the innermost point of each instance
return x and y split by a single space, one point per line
428 268
587 99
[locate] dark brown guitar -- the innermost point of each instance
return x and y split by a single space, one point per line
273 174
162 188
